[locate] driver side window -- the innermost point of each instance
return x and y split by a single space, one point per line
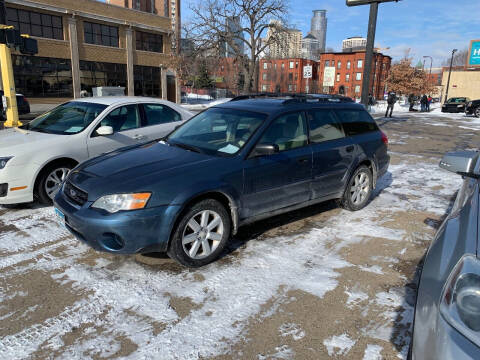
288 132
123 118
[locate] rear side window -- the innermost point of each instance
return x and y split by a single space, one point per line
288 132
356 122
160 114
324 126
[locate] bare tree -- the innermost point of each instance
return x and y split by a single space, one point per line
459 59
211 29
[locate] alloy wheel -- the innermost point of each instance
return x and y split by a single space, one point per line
477 112
54 181
360 188
202 234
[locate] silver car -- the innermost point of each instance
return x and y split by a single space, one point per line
447 313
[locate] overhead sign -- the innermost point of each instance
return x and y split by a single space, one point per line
329 76
307 72
364 2
474 53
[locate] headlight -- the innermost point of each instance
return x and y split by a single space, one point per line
460 304
3 161
117 202
469 104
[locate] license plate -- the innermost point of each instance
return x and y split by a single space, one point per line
60 217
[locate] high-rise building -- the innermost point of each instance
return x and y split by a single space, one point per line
353 44
234 29
166 8
319 27
310 47
284 42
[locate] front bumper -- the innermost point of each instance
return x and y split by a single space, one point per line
124 232
19 180
453 110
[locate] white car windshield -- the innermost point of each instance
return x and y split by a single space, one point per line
67 119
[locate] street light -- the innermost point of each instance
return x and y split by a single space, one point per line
449 74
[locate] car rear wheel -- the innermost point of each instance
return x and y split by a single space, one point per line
359 190
201 234
476 112
50 180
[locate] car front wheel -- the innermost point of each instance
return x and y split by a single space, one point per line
476 112
201 234
359 190
50 180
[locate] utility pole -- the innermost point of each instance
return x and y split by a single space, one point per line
372 27
10 95
449 74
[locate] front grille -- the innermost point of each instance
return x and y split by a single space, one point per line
72 192
3 190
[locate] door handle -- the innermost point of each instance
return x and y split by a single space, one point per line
302 160
350 148
139 137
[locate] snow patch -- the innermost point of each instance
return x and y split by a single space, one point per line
339 345
293 330
373 352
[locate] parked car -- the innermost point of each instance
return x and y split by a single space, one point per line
473 108
455 105
35 158
230 165
22 104
447 313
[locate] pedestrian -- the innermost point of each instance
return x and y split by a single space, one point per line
391 100
371 102
424 102
411 100
429 101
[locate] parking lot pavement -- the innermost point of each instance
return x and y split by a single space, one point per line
310 284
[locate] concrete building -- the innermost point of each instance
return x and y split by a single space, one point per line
318 28
310 47
355 43
86 43
285 43
463 83
166 8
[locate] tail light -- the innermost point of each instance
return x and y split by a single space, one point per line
384 138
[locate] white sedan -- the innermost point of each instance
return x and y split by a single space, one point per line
35 158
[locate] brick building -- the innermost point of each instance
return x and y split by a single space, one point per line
349 68
86 43
286 75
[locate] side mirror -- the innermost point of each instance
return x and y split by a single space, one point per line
105 130
461 162
265 149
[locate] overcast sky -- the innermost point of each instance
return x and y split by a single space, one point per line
428 27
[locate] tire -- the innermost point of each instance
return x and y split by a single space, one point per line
359 189
50 177
476 112
201 234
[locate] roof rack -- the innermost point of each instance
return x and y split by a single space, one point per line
296 98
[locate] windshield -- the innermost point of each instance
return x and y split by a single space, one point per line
217 131
457 100
67 119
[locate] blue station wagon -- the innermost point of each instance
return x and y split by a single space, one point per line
230 165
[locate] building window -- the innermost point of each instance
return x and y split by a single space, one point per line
349 64
339 64
146 80
149 42
42 77
283 66
36 24
290 76
333 63
290 87
264 87
338 77
291 65
357 89
265 66
136 4
94 74
275 66
347 77
296 65
99 34
264 76
358 76
359 64
327 63
296 76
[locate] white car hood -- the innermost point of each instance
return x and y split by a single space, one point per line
18 141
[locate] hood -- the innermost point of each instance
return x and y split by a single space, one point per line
14 140
131 169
